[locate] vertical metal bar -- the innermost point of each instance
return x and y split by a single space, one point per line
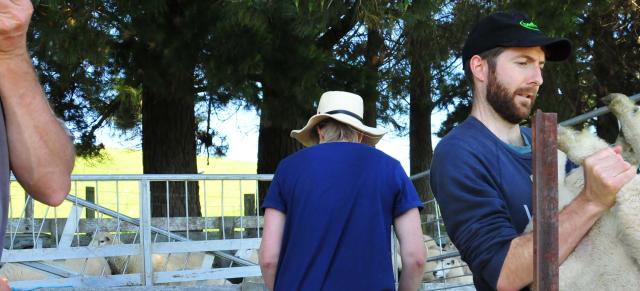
77 234
394 248
97 195
240 200
10 227
29 215
258 218
145 232
204 193
545 202
167 200
186 204
438 228
117 208
223 229
55 224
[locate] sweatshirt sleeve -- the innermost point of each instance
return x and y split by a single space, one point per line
473 209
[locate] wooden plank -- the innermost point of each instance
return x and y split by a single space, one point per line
545 202
203 246
249 204
91 197
201 274
78 282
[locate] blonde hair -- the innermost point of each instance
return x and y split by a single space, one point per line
334 131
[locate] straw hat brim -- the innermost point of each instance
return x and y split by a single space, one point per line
306 137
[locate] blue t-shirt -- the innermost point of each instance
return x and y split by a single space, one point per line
340 200
483 187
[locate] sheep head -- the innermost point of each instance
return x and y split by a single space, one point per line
628 115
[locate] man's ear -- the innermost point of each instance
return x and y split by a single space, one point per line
479 68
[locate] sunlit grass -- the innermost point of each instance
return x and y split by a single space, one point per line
127 161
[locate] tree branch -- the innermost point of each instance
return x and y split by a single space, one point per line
333 35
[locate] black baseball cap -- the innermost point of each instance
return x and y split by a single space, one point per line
512 29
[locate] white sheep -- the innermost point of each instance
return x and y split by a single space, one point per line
603 258
96 266
252 256
450 247
431 266
160 262
452 271
19 272
628 205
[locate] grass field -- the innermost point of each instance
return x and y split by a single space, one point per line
124 195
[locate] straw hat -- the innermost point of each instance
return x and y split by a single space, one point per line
344 107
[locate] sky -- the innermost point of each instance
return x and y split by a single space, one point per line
241 129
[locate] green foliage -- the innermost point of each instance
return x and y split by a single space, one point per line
97 59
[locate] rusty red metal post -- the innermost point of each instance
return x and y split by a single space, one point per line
545 202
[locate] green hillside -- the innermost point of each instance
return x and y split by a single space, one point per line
123 196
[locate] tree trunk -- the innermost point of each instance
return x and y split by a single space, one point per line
168 144
165 69
421 105
373 60
277 119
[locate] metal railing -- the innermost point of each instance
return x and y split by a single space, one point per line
51 237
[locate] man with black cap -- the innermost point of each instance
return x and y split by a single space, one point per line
481 171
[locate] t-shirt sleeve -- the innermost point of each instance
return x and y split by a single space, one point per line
474 212
406 198
275 196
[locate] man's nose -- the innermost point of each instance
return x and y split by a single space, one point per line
536 76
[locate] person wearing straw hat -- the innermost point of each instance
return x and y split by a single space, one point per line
33 143
481 171
330 207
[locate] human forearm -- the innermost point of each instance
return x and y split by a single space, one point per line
412 249
269 275
575 220
274 221
517 268
411 275
40 151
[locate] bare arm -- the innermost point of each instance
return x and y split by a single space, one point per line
40 151
270 246
412 250
605 173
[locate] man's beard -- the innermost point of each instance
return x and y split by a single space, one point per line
504 102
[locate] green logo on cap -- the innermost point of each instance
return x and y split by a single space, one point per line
529 25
